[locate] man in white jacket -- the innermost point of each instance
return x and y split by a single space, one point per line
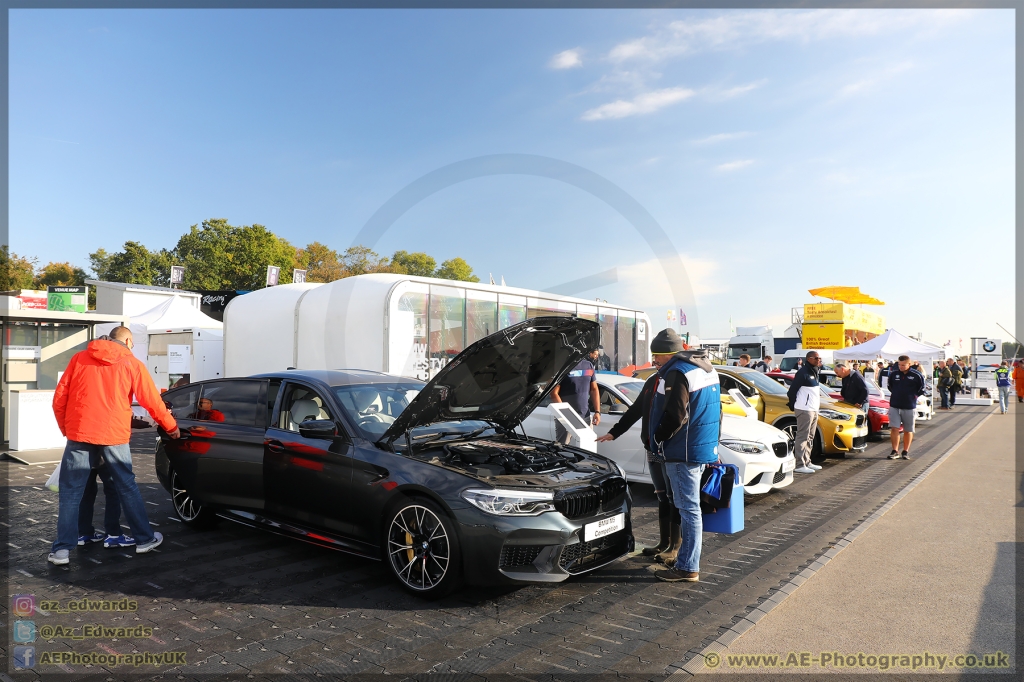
805 401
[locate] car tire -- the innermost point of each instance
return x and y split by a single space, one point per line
421 547
189 511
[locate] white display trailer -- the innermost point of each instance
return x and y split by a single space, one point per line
404 325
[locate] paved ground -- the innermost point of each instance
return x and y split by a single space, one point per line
935 574
241 602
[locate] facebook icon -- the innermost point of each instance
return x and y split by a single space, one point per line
24 657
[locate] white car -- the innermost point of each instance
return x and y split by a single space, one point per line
763 453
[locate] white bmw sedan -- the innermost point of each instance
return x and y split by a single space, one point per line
762 452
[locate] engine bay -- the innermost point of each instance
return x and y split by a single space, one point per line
492 457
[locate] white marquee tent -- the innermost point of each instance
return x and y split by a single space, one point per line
890 346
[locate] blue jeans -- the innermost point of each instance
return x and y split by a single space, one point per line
1004 398
76 468
685 480
944 392
660 480
112 510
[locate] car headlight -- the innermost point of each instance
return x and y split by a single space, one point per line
748 447
879 410
510 502
835 416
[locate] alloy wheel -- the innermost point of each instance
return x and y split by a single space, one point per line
418 547
188 509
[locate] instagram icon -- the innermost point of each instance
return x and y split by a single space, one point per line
23 605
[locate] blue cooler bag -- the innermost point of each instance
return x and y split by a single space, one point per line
727 520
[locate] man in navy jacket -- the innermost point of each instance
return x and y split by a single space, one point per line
805 401
855 390
905 385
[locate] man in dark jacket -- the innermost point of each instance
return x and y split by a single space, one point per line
668 515
684 426
805 401
855 390
905 385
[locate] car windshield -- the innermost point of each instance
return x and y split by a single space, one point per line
764 383
630 389
374 407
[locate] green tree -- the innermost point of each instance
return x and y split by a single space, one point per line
16 272
418 263
457 269
361 260
218 255
59 275
133 265
322 263
99 262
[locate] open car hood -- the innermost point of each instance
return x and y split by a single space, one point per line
501 378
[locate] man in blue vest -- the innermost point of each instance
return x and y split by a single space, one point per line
1003 384
685 424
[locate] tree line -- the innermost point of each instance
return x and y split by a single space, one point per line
217 255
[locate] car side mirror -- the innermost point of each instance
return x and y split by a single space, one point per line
617 409
318 428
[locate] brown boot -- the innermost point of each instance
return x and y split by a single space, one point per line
664 523
668 557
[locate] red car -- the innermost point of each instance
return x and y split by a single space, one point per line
878 406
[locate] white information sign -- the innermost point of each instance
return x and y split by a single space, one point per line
179 359
22 352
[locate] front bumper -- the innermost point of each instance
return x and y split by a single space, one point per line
848 440
545 548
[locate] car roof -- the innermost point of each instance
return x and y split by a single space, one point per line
614 379
338 377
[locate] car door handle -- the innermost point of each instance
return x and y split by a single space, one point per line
275 446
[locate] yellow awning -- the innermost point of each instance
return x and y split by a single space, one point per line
846 295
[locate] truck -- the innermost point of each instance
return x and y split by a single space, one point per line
757 342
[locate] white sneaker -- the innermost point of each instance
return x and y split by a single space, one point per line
152 544
814 466
60 557
803 470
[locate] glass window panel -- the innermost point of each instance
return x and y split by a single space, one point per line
58 343
586 312
607 359
624 338
543 307
230 402
481 318
182 404
407 336
21 334
446 331
643 340
511 310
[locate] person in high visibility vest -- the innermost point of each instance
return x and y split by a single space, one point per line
1018 380
1003 384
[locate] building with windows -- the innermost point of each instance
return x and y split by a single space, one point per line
403 325
37 346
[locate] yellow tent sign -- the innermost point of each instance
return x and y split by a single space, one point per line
850 317
829 336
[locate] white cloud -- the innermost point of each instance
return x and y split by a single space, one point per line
645 103
567 59
874 79
733 165
744 28
720 137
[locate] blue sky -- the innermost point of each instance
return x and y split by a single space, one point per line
780 150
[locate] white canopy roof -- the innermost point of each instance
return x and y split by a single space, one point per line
173 314
890 345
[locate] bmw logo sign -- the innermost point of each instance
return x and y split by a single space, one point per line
989 346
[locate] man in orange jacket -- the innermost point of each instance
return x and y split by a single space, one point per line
1018 380
93 406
